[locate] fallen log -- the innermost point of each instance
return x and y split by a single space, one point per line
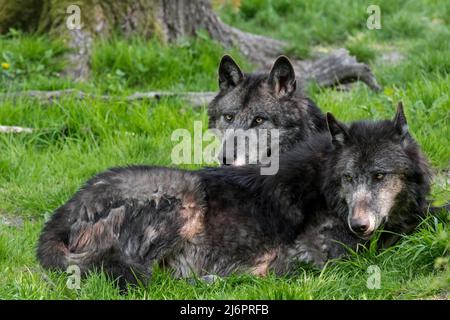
195 99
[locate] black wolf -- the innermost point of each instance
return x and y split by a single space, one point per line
262 101
341 185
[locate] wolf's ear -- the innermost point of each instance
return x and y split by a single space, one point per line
229 73
282 77
338 130
400 123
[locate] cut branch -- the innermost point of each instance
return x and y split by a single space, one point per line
13 129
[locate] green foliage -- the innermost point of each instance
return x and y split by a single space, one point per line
305 24
30 59
189 65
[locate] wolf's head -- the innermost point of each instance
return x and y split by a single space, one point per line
261 101
377 175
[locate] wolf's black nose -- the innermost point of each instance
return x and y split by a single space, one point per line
360 225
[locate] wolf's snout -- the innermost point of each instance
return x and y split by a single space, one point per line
360 221
360 225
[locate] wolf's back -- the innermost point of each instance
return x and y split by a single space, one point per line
105 215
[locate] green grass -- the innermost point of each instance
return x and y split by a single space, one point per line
306 24
408 271
190 65
76 139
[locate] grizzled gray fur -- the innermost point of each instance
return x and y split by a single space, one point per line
341 185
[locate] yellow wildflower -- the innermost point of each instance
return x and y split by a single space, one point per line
5 65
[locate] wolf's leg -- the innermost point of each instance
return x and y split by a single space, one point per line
129 239
115 265
97 244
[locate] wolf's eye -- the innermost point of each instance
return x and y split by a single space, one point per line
228 117
378 176
348 178
259 120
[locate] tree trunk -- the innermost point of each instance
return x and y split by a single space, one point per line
168 20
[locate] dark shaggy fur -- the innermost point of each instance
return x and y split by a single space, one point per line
264 101
231 219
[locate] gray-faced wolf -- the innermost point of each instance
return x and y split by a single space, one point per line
340 185
261 102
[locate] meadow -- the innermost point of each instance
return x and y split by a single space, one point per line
74 139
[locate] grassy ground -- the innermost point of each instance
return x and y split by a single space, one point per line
76 139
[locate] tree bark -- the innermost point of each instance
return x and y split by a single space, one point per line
169 21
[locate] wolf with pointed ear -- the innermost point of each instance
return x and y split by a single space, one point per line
376 176
269 101
282 78
230 75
